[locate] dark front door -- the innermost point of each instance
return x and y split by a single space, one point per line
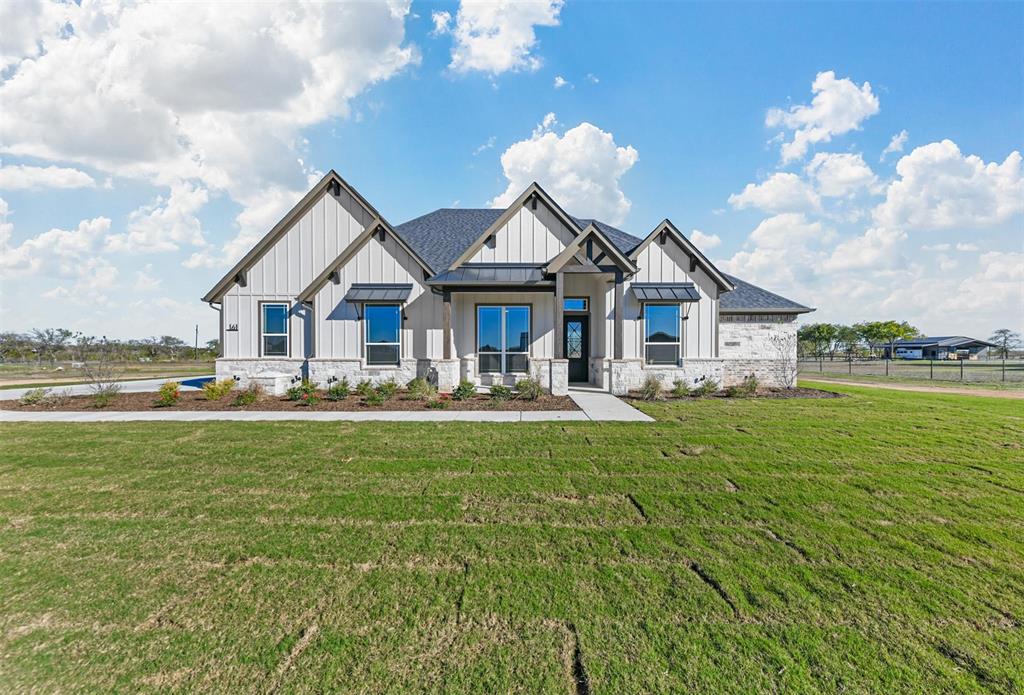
577 347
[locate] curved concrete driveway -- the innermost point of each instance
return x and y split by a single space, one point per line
129 386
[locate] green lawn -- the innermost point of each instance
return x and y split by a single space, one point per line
870 543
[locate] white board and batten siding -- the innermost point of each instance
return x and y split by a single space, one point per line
287 268
669 263
338 331
529 236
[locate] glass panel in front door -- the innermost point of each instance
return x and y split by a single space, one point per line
574 340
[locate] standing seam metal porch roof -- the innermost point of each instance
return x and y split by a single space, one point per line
378 292
492 275
676 292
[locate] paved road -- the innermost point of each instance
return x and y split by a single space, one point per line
130 386
923 388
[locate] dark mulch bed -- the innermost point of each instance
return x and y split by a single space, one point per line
194 400
762 393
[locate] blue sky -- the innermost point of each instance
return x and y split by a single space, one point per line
144 148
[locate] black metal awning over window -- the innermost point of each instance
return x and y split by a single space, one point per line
377 292
665 292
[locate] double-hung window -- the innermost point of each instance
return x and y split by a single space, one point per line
383 333
274 329
662 331
503 338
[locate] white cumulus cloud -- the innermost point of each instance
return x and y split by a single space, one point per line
840 174
216 93
496 36
781 192
838 107
581 169
895 145
16 177
937 187
704 241
165 224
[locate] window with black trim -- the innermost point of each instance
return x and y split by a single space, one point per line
274 329
383 333
503 339
662 333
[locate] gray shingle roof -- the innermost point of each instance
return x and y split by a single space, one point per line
441 236
751 298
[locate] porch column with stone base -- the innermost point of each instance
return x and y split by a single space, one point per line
448 374
559 377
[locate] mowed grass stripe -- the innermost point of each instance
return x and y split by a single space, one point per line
865 543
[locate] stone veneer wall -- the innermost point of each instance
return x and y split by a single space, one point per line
629 375
766 350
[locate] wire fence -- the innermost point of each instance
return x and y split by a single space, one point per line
974 371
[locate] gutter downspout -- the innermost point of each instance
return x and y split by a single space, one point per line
220 328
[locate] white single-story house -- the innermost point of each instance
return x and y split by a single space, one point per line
488 295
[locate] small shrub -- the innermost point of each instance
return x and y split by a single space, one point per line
34 396
375 399
749 385
387 389
529 389
500 392
301 390
216 390
168 394
705 388
338 391
104 397
652 388
364 388
464 391
309 398
248 396
419 389
679 388
59 399
438 404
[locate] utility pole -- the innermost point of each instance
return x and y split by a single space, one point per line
197 343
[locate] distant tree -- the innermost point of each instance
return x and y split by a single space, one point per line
50 341
1005 340
171 345
213 346
886 332
847 340
819 337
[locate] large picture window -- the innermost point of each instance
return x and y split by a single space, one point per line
661 333
274 329
383 333
503 338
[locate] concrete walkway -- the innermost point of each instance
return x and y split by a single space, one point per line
595 405
603 406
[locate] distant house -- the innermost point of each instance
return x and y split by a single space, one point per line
950 347
490 296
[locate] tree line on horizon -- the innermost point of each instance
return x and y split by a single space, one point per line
52 345
868 338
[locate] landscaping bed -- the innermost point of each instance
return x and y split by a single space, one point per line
197 401
769 393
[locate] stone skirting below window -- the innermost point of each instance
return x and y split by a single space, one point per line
628 375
